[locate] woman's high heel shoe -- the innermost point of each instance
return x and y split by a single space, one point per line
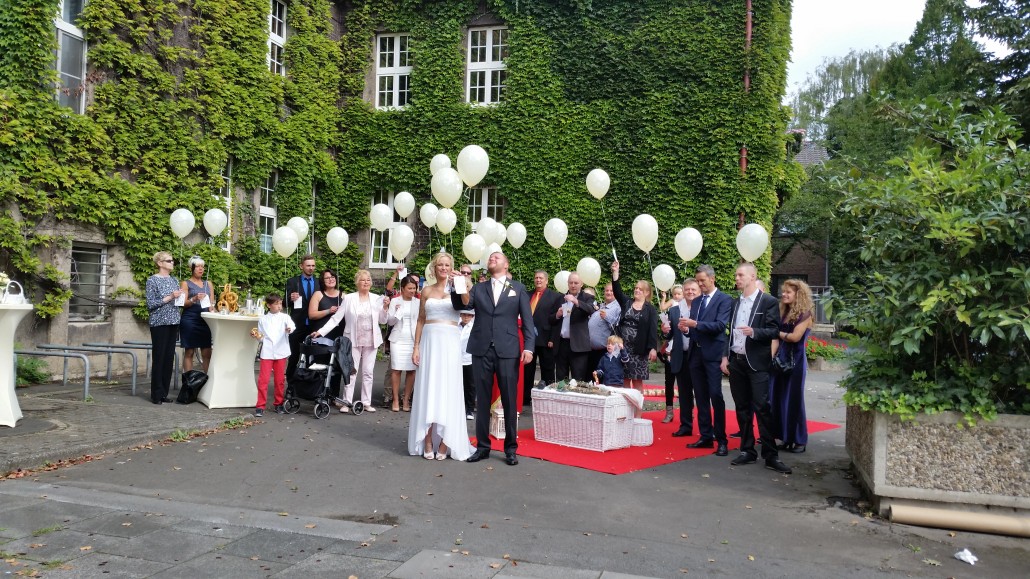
442 455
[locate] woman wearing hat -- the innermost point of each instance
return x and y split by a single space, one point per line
193 331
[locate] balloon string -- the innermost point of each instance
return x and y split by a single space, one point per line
604 214
559 260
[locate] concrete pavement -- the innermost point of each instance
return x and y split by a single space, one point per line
294 496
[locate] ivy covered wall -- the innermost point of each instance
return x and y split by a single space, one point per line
650 91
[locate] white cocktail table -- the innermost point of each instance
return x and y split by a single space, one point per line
231 382
10 317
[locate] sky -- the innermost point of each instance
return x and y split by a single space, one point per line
823 29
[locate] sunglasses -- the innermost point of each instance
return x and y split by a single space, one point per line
466 273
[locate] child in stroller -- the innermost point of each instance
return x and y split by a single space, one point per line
311 381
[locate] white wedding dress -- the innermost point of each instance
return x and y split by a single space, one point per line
439 394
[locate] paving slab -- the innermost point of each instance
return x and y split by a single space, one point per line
429 563
220 566
105 566
334 566
537 571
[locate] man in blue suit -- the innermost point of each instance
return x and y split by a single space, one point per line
498 302
706 326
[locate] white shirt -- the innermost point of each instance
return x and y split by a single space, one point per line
746 304
275 343
497 284
684 315
466 331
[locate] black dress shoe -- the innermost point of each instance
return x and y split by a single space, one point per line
166 400
478 456
735 435
777 465
683 432
744 458
511 459
702 443
721 450
155 401
796 448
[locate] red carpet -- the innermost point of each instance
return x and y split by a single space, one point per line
666 449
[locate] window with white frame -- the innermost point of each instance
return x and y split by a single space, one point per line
267 213
487 75
485 202
88 277
379 244
70 58
393 71
277 37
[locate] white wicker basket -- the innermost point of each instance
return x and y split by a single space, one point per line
643 432
582 420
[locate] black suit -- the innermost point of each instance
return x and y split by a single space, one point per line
749 373
299 316
494 345
543 321
574 352
708 342
679 367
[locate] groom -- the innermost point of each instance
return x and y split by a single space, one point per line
494 345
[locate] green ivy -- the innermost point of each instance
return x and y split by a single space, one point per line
650 91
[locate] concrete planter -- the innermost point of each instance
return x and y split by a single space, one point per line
824 365
931 461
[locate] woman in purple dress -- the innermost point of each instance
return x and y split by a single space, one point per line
788 389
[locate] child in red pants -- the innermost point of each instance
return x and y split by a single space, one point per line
273 331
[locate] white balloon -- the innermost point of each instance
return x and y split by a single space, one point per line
404 204
428 213
485 228
473 246
299 225
516 234
645 232
688 243
285 241
473 163
215 221
440 161
589 271
401 238
561 281
500 233
337 239
752 239
598 183
556 232
664 277
446 186
446 220
381 216
182 222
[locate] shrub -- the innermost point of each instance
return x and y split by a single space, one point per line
943 310
817 348
32 371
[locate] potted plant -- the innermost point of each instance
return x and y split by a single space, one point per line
823 355
942 313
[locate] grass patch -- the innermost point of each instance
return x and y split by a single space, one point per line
238 422
52 564
181 435
46 530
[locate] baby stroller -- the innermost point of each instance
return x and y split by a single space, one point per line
311 381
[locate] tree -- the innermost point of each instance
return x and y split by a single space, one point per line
1006 22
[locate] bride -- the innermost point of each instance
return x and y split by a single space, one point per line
437 424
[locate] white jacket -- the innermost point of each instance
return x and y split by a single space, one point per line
349 311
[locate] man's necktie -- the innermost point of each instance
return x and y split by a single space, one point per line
534 301
701 309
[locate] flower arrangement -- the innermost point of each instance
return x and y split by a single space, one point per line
818 348
4 280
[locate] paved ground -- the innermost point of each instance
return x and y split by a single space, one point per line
290 496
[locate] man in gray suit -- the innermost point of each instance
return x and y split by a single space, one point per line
494 344
574 336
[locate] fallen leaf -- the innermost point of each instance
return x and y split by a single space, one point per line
429 494
683 536
586 534
705 476
711 560
284 514
684 571
951 534
126 524
37 545
484 526
725 542
363 545
176 468
750 557
454 550
465 553
747 506
311 526
932 562
253 558
86 548
506 556
495 565
404 498
489 468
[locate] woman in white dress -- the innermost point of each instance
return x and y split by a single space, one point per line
402 317
437 424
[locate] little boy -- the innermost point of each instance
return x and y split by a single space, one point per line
468 317
273 330
609 368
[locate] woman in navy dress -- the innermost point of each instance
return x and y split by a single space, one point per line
788 390
193 331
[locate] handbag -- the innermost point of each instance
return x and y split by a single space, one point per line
783 365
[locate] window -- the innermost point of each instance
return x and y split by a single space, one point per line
393 71
267 214
277 38
487 75
379 246
485 202
70 59
88 282
225 196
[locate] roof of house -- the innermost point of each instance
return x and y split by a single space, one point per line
811 154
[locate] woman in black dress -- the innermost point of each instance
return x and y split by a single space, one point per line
638 329
193 331
321 307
